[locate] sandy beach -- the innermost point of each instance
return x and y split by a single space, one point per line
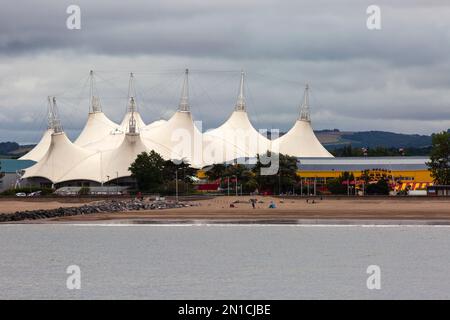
218 208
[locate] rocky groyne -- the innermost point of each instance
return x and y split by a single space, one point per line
108 206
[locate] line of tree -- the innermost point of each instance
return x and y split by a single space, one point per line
380 151
252 178
339 185
154 174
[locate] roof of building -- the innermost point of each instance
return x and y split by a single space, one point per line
362 163
300 140
12 165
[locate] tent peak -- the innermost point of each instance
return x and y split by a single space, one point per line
94 101
304 109
49 113
56 122
132 122
184 100
240 104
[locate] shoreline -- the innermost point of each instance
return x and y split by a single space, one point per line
218 210
245 222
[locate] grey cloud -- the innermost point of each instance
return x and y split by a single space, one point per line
396 78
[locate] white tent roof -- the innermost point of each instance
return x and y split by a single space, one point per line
236 138
301 141
108 165
97 128
101 134
61 157
105 149
178 138
113 163
116 162
38 152
155 123
126 120
132 109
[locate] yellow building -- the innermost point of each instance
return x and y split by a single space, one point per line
405 172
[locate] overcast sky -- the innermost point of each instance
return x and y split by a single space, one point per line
395 79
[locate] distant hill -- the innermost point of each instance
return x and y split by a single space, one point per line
13 149
333 139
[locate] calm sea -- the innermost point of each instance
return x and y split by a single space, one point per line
224 262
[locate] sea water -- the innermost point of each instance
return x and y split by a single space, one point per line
223 261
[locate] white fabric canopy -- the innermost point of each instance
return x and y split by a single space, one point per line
300 141
97 128
39 151
126 121
105 150
59 160
178 138
236 138
108 165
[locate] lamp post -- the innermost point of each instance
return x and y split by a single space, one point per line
117 182
236 184
176 183
315 186
279 182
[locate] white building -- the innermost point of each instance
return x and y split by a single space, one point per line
104 150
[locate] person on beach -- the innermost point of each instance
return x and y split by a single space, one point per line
253 201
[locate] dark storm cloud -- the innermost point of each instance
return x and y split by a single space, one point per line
397 78
295 30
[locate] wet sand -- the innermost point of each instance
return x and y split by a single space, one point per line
218 208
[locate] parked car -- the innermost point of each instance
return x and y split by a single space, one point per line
35 194
21 194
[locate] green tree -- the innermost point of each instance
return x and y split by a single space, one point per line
177 169
439 164
284 180
244 176
147 169
154 174
379 188
84 191
337 186
216 171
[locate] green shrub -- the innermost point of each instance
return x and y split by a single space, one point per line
84 191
